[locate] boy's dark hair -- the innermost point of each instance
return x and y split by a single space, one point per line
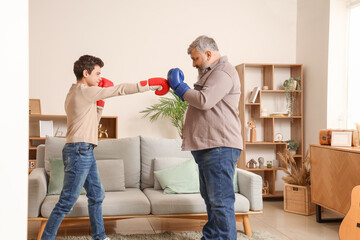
86 62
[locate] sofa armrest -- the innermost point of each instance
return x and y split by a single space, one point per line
37 191
250 185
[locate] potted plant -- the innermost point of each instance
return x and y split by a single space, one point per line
292 146
173 108
297 194
290 86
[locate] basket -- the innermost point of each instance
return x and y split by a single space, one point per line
297 199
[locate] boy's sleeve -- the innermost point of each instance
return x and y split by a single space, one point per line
99 114
96 93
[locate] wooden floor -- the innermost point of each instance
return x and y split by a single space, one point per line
274 220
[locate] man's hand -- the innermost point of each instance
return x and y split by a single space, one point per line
160 85
176 82
105 83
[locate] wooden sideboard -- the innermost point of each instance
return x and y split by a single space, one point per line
335 171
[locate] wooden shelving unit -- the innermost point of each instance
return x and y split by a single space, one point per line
274 100
60 126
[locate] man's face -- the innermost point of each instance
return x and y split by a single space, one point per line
94 77
199 61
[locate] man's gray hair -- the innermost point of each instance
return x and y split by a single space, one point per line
203 44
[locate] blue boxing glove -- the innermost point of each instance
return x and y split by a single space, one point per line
176 82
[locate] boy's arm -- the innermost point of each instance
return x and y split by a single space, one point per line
96 93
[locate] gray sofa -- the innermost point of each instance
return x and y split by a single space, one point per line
126 169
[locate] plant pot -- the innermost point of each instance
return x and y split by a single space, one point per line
291 85
297 199
292 152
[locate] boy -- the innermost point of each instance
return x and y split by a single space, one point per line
83 106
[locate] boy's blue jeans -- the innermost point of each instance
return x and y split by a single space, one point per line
80 171
216 171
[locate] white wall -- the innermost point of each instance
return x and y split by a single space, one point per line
140 39
312 51
14 119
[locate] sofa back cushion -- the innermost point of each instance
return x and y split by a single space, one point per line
164 163
127 149
152 148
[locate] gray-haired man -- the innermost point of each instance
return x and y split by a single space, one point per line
212 132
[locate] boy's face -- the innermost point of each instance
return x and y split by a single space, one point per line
94 77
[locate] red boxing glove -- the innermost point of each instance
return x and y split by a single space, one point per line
104 83
160 85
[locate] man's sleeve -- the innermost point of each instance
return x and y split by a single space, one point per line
216 87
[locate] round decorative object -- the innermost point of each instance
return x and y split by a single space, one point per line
278 137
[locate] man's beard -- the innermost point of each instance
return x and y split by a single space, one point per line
203 69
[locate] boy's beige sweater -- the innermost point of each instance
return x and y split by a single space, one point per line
82 113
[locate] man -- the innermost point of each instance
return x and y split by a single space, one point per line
212 132
83 106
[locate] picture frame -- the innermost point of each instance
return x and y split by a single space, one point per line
34 106
341 139
46 128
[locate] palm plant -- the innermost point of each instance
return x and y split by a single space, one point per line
173 108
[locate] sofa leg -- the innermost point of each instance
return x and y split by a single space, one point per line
247 227
41 230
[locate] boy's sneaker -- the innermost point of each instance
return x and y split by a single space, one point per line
107 238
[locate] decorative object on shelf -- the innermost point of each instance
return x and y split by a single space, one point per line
269 164
101 132
58 132
261 162
46 128
278 115
173 108
252 126
264 112
292 145
278 137
290 86
265 87
254 94
265 188
275 163
34 106
251 164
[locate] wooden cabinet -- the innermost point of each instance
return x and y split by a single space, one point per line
269 110
334 173
59 125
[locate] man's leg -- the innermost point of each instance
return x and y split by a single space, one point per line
218 166
76 171
96 194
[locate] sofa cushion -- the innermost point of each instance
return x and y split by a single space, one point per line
152 148
56 180
163 163
53 150
127 149
112 174
129 202
182 178
185 203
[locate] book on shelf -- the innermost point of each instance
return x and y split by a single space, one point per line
254 94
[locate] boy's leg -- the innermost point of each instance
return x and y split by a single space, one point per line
96 194
76 166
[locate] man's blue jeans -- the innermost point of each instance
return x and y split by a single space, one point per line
216 171
80 171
